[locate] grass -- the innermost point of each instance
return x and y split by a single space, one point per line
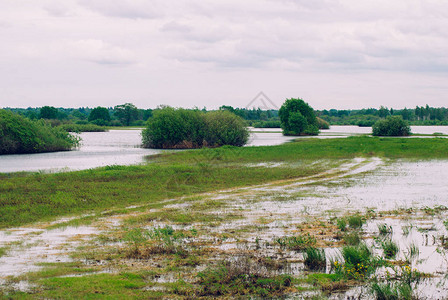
355 221
297 243
352 238
342 224
391 291
31 197
384 229
390 248
315 258
229 279
358 262
3 251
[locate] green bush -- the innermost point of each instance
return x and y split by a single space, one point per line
391 126
21 135
171 128
298 118
322 124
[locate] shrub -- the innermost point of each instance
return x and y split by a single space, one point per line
391 126
171 128
21 135
298 118
225 128
322 124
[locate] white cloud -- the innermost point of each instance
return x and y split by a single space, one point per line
132 9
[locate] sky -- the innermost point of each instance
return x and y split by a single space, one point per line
343 54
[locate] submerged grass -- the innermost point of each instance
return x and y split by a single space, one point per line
30 197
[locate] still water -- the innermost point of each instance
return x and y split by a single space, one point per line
98 149
122 147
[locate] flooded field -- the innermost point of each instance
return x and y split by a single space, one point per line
393 212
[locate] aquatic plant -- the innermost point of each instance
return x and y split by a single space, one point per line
315 258
391 291
413 251
240 277
341 223
352 238
390 248
357 262
384 229
298 243
355 221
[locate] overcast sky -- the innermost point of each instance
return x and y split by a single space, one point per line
331 53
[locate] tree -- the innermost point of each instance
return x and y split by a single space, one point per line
99 115
298 118
126 113
391 126
48 112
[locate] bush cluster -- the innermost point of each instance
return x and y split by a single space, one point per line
171 128
391 126
298 118
21 135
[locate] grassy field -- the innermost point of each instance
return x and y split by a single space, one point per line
26 198
172 251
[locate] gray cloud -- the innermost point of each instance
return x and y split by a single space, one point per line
168 49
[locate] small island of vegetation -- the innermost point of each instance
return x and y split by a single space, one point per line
171 128
298 118
391 126
20 135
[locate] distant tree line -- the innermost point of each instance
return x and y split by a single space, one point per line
420 115
128 114
121 115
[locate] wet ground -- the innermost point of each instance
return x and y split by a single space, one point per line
405 199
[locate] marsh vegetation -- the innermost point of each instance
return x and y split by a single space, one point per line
236 222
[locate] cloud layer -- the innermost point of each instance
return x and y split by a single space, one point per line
344 53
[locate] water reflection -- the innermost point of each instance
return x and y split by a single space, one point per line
122 147
116 147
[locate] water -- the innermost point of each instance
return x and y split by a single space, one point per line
99 149
122 147
116 147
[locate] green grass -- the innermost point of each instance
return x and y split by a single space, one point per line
390 248
384 229
355 221
31 197
297 243
230 280
3 251
315 258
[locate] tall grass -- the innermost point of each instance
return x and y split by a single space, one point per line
315 258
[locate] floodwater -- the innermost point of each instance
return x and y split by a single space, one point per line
122 147
99 149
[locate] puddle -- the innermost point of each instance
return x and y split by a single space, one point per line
30 246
